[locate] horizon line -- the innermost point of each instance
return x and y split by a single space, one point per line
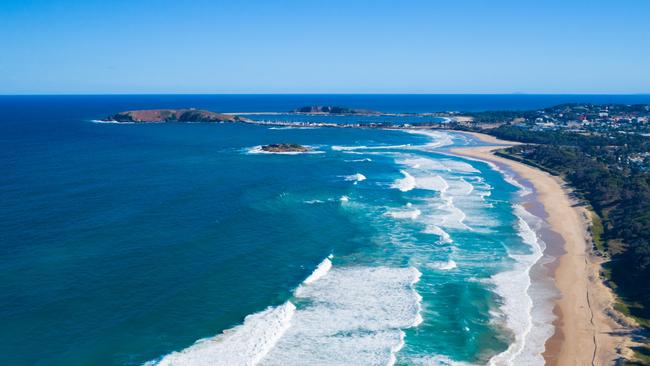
313 93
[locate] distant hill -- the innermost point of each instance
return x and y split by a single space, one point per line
318 109
172 115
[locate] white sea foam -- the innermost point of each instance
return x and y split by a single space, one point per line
347 148
358 160
435 360
394 349
508 177
111 122
404 214
513 286
244 345
344 199
433 229
432 183
440 139
523 191
293 128
460 187
375 147
421 163
405 184
421 176
358 177
320 271
311 202
351 316
441 165
453 216
443 266
459 166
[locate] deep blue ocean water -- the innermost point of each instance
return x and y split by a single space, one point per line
121 244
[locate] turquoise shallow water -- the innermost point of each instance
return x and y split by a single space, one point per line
122 244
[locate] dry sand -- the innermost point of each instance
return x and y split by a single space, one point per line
585 333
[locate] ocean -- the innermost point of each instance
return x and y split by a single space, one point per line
132 244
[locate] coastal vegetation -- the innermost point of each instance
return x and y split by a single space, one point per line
604 172
618 192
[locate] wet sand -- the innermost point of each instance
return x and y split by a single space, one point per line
585 333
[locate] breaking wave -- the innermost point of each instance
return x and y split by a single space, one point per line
358 177
320 271
355 313
405 214
405 184
243 345
513 286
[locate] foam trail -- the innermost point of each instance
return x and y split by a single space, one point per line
244 345
523 191
111 122
424 179
358 160
436 360
433 229
405 184
443 266
432 183
455 217
405 214
440 165
358 177
440 139
294 128
352 316
396 348
376 147
459 166
513 286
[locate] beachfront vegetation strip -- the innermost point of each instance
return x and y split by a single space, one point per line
604 153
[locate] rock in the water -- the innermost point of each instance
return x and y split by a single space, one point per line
284 148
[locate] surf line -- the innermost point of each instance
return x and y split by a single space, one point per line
248 343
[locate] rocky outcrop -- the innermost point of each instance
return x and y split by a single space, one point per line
172 115
284 148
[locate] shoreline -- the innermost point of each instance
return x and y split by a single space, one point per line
584 331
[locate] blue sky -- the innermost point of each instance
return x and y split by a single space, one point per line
250 46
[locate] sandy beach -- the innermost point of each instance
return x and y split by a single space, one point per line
585 333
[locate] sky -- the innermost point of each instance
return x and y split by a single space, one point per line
334 46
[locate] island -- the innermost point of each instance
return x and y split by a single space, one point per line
173 115
280 148
318 109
